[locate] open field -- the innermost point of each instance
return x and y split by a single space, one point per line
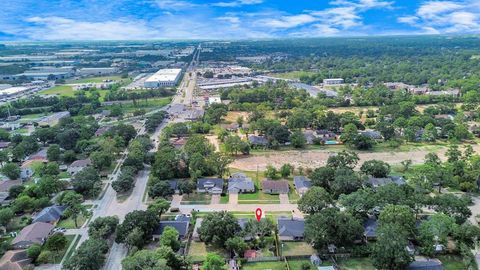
61 90
318 158
97 79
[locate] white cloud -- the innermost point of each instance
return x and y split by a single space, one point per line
437 17
175 4
237 3
57 28
288 21
364 4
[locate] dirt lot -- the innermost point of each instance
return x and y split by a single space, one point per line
318 158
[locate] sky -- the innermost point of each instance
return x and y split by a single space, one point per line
39 20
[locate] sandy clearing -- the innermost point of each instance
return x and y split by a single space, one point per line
318 158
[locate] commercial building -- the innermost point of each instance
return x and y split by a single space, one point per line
14 92
163 78
333 81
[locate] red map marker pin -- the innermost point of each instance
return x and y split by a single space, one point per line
258 213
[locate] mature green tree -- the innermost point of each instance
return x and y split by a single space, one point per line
34 251
286 170
48 185
213 261
322 177
467 234
186 187
4 157
160 189
135 239
346 181
349 133
453 206
270 172
87 182
217 227
219 163
198 144
73 201
430 133
375 168
432 159
389 251
233 144
89 256
145 259
50 169
362 142
56 242
360 202
435 231
298 139
316 199
197 166
169 238
237 245
144 220
331 226
11 170
453 153
166 162
261 228
6 215
54 152
69 156
347 159
400 215
101 160
103 227
44 135
23 203
159 206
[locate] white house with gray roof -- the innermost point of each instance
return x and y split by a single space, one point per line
240 183
291 229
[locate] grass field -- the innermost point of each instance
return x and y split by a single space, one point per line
97 79
196 198
297 248
265 266
293 74
61 90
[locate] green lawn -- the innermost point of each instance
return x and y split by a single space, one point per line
297 249
293 74
280 265
59 255
71 251
98 79
297 264
196 198
198 251
355 264
69 223
451 262
61 90
224 199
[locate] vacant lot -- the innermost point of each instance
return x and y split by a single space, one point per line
61 90
97 79
318 158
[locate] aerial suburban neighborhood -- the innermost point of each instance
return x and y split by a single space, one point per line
323 143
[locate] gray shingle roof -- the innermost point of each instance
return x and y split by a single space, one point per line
378 182
426 265
279 186
257 140
50 214
291 227
302 182
236 184
180 226
209 183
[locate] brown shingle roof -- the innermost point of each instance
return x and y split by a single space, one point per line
14 260
280 186
34 233
7 184
81 163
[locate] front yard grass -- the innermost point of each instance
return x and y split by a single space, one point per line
224 199
198 251
297 249
196 198
69 223
297 264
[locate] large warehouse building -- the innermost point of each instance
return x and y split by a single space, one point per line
164 78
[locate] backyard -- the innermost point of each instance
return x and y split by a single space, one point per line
296 249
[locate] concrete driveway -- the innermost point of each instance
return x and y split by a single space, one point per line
284 199
233 198
215 199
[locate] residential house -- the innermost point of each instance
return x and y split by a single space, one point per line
326 135
210 185
35 233
26 170
174 185
178 142
195 234
433 264
302 184
310 136
4 145
5 185
101 130
14 260
257 140
78 165
275 186
181 226
372 134
290 229
378 182
41 155
240 183
51 214
370 229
